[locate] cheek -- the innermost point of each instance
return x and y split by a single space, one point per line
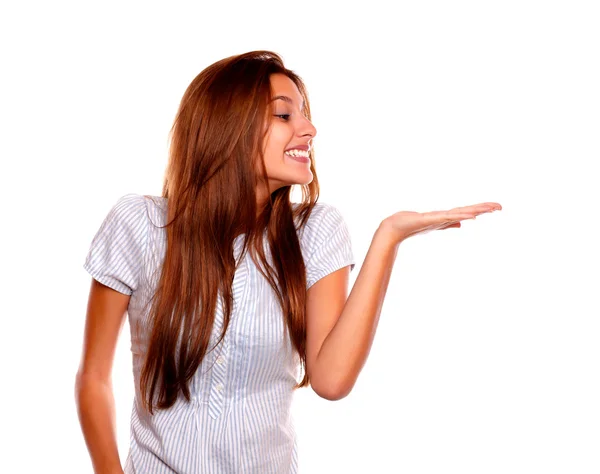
281 136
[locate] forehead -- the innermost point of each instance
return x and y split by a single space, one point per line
284 90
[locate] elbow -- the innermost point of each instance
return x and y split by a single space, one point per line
80 382
77 385
79 388
89 383
331 391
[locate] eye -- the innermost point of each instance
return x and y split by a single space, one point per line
283 116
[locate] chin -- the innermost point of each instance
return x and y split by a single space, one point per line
305 182
292 179
302 181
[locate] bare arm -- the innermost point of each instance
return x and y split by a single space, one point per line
347 327
93 388
346 347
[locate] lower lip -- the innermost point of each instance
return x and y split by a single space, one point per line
301 159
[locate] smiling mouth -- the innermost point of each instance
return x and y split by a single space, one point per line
301 159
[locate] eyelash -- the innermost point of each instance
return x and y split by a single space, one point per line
283 115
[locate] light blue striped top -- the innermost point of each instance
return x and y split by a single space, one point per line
239 419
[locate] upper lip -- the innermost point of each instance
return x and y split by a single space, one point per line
299 147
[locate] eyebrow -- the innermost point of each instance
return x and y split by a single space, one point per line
285 98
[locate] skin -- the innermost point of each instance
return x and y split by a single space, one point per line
107 308
105 316
289 128
339 328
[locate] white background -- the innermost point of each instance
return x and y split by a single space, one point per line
487 352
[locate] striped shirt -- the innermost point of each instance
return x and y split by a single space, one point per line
238 420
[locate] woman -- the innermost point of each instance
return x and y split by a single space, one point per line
230 288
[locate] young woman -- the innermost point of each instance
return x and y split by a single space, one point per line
231 288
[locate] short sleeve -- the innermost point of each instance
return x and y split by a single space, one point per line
330 245
116 255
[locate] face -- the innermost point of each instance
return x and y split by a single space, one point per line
289 129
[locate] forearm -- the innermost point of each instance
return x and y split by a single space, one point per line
95 406
346 348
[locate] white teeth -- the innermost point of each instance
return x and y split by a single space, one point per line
297 153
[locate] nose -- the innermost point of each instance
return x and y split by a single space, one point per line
307 128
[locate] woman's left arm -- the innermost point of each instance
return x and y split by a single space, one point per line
345 348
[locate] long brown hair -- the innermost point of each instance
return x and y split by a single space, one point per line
216 147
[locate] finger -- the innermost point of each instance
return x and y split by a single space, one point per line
481 207
452 216
470 212
447 217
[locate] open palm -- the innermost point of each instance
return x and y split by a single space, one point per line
405 224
